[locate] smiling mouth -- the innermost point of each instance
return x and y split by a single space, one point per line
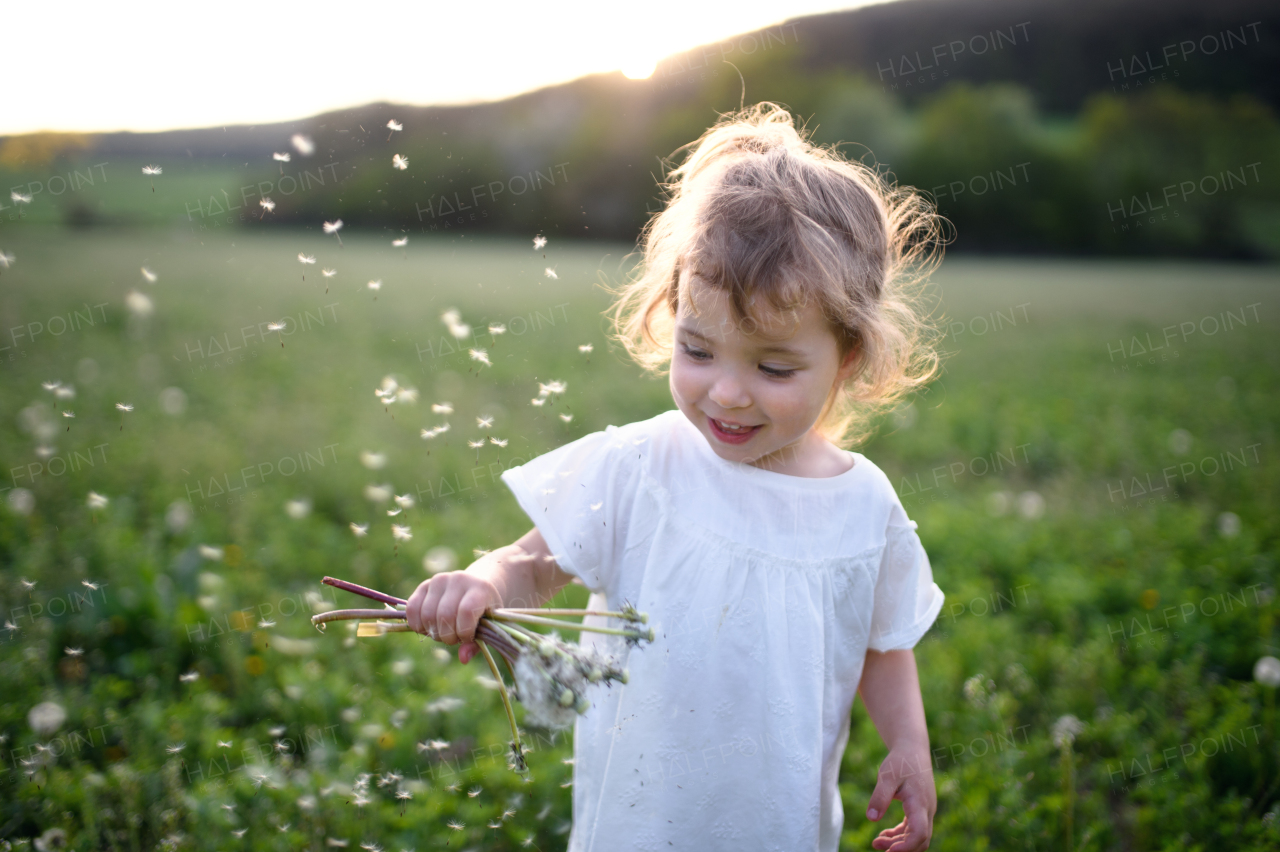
732 431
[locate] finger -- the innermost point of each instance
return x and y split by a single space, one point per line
885 839
917 823
430 608
467 650
413 607
447 616
881 796
470 608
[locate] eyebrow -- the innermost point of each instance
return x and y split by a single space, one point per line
783 350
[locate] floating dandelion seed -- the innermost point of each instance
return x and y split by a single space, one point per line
539 242
266 625
404 501
333 228
456 825
375 286
213 554
73 652
550 388
400 533
400 243
473 792
361 530
239 833
566 417
395 127
50 386
282 157
303 144
267 206
93 587
378 493
6 259
328 273
501 442
550 273
586 347
19 198
305 259
277 326
399 162
453 320
149 275
484 422
123 409
373 461
393 512
297 509
539 401
442 408
497 328
189 677
138 304
152 171
407 395
175 748
225 744
28 584
481 356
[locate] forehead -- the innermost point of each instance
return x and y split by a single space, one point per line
764 325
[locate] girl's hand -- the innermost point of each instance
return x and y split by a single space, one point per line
906 775
447 607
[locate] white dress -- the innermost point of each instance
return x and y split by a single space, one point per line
764 591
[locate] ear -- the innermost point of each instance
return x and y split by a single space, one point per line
846 365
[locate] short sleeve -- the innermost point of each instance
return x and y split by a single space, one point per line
580 497
907 601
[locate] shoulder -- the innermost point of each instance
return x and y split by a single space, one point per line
883 494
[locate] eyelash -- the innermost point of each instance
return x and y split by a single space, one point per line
768 371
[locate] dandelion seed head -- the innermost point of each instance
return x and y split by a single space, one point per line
267 204
501 442
395 125
328 273
123 407
19 198
333 227
539 242
497 328
152 170
484 422
481 356
550 273
306 258
360 529
400 533
399 162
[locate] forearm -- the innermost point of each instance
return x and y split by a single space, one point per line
890 690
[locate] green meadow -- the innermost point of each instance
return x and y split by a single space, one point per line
1094 476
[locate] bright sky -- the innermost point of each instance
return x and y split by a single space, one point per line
161 65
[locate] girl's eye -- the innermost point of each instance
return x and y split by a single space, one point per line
776 373
696 354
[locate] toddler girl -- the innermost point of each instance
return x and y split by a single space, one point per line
780 571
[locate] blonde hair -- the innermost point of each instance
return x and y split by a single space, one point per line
757 209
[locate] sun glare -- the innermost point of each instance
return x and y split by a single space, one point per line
639 69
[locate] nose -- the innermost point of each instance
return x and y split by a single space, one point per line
727 391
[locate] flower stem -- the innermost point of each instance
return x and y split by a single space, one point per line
361 590
352 614
542 611
564 625
521 766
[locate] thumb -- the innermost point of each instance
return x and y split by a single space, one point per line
467 650
881 797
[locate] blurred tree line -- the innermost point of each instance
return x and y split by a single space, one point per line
1167 166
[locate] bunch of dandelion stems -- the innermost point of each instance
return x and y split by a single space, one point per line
500 628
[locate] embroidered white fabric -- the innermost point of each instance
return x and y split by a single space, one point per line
765 591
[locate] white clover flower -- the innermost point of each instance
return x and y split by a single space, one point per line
46 717
1065 730
1267 671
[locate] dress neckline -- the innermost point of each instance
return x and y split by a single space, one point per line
761 476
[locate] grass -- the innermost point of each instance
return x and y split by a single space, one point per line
1024 465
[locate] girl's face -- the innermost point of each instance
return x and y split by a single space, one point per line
772 380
